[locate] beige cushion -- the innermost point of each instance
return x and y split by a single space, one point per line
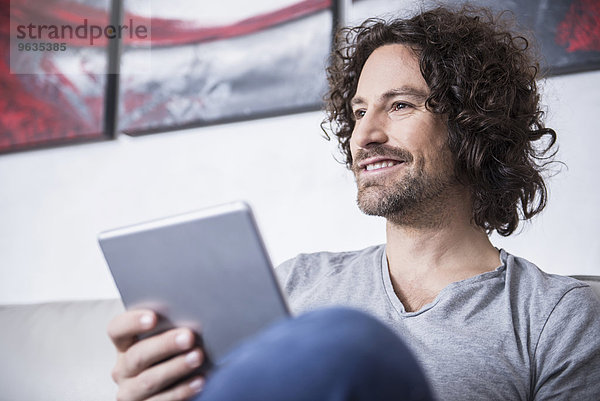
593 281
57 351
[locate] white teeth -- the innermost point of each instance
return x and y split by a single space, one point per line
375 166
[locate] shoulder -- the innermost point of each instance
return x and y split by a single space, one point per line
546 303
546 290
309 268
561 319
565 317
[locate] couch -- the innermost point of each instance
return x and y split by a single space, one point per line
59 351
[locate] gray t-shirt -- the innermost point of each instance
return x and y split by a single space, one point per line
515 333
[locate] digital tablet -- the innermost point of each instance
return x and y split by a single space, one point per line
207 270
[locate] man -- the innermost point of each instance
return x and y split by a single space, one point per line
438 117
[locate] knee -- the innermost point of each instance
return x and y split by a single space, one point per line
350 332
356 345
347 324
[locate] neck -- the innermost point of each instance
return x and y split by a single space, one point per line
439 251
424 258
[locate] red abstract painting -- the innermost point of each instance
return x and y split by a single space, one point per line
580 28
51 95
567 31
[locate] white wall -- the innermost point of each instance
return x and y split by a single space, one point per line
54 202
565 239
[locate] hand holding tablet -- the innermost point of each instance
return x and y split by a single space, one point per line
207 271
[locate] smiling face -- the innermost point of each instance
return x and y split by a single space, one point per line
401 159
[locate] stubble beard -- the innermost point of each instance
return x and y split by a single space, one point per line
417 199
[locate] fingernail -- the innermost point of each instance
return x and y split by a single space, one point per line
193 359
197 385
146 320
184 340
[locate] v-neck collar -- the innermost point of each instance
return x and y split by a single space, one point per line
397 304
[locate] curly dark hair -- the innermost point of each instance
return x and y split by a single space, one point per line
482 79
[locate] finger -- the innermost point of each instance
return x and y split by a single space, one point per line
145 353
158 378
124 328
182 391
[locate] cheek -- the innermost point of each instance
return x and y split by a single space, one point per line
352 149
353 146
440 158
429 146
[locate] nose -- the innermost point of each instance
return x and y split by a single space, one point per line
369 130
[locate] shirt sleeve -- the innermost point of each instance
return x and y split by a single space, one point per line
567 353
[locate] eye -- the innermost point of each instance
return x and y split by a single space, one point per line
358 114
397 106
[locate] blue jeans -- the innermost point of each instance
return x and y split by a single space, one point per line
333 354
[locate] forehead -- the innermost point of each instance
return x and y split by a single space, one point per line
390 67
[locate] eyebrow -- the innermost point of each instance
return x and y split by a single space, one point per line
403 91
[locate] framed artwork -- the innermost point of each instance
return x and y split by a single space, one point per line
55 86
198 64
227 61
567 31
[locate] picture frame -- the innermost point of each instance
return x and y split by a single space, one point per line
222 66
57 88
564 32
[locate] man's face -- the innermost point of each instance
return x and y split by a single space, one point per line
401 159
